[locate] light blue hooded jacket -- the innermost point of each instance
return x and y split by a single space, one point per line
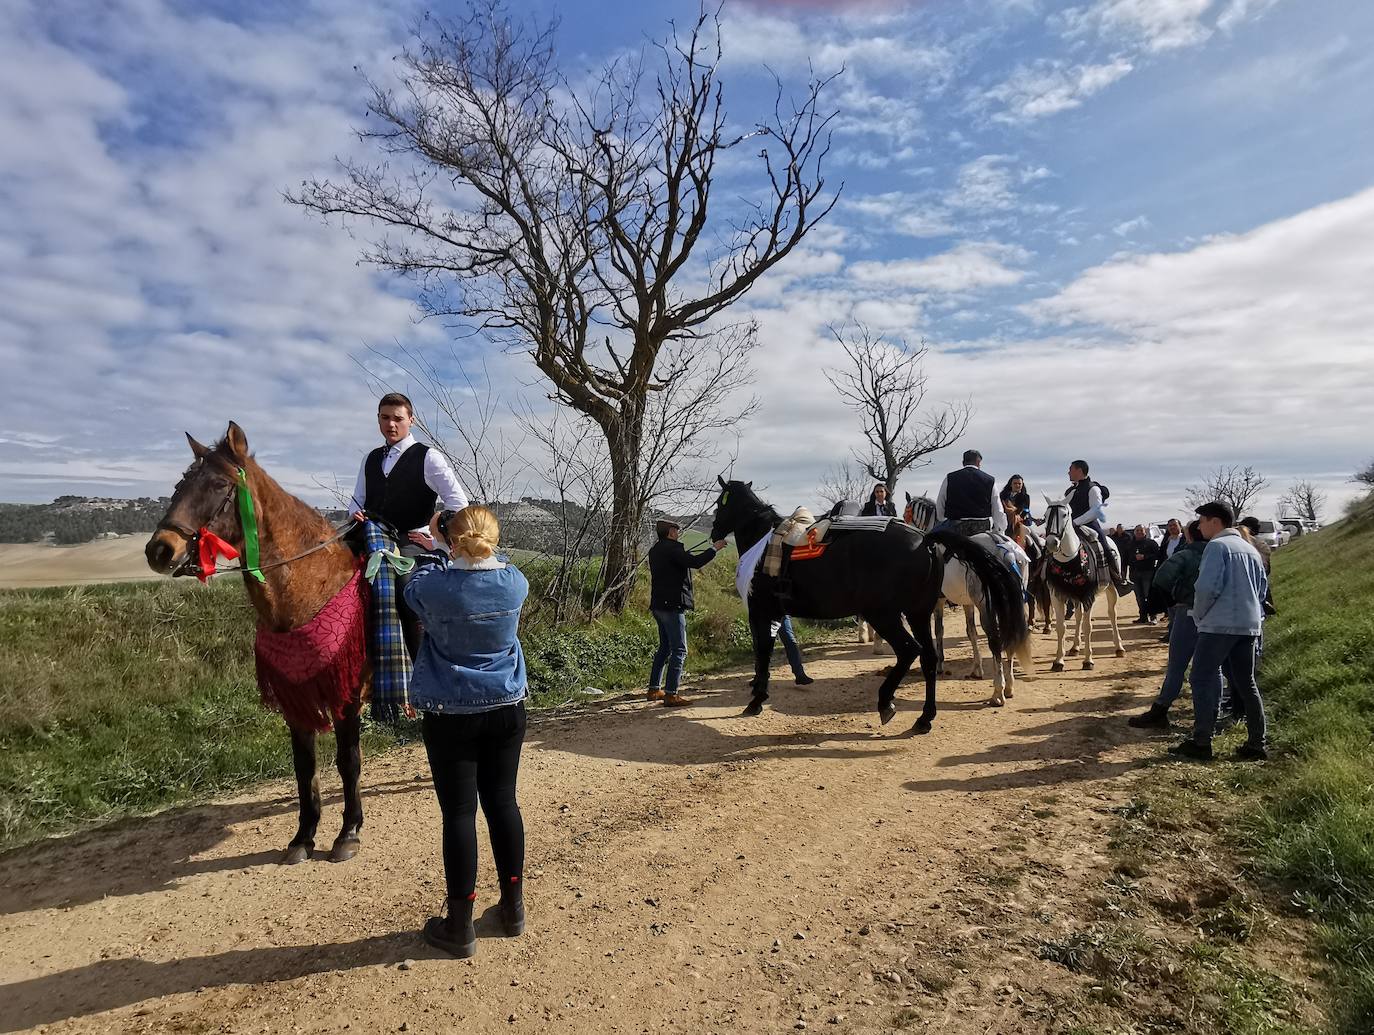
1230 587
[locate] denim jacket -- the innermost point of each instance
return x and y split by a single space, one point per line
470 660
1230 587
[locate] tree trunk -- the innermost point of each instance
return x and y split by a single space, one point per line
624 440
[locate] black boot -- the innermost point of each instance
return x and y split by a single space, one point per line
512 907
1153 718
453 933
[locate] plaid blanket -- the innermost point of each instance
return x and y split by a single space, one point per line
386 644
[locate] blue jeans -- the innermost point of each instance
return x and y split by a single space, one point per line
672 650
1237 653
1182 643
789 645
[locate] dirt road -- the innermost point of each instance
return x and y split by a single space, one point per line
689 871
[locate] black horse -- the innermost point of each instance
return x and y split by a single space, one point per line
880 576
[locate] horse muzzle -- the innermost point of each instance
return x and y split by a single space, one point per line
165 550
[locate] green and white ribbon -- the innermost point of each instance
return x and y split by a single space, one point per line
401 565
248 517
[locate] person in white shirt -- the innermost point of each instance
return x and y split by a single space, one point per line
400 482
967 500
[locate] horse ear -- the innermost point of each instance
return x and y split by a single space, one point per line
200 451
237 442
1048 499
721 480
748 485
909 499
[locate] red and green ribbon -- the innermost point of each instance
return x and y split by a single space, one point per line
249 519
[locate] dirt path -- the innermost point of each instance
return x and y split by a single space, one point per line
689 871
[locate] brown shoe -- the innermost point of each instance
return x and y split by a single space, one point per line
675 701
653 695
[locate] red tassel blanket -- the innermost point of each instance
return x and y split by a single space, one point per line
311 674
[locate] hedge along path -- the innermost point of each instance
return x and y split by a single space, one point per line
689 870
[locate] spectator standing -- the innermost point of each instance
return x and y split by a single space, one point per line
1228 599
1143 553
670 598
469 685
1175 577
878 504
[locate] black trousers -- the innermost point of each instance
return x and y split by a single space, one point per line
410 621
477 758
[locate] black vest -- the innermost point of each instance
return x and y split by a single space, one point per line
1078 496
401 498
968 494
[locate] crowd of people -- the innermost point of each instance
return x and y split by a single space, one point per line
460 602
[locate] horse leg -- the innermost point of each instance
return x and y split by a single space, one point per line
971 628
1116 630
925 642
348 757
762 635
890 628
1086 625
943 669
1060 606
308 789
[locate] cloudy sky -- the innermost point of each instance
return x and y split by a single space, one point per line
1139 231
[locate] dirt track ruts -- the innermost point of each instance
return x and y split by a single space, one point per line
689 870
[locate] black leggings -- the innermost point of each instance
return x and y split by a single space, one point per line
472 757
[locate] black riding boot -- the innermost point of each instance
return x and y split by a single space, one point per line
513 907
453 933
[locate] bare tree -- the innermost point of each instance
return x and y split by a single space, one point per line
1365 477
574 222
464 422
886 384
842 482
1304 499
1234 485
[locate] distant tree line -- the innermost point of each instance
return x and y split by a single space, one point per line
77 519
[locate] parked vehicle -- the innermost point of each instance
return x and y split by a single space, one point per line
1299 526
1271 533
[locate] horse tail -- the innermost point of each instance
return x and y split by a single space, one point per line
1004 606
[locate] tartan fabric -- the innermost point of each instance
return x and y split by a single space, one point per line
386 643
312 673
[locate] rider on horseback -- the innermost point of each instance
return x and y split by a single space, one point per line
1087 500
967 501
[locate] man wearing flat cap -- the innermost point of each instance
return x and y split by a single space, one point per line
670 598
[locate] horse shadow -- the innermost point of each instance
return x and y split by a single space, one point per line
113 983
85 867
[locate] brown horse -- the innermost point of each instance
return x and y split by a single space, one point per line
304 566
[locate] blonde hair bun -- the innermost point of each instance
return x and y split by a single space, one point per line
474 532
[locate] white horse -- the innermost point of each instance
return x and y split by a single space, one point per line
962 588
1070 579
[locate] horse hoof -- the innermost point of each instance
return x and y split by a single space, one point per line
1058 666
345 848
977 673
887 712
1008 693
922 726
1121 652
996 703
754 707
295 854
1072 651
1089 666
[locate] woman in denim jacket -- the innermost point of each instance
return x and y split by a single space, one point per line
469 682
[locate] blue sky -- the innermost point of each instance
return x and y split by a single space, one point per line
1133 230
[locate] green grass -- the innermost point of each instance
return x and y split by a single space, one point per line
119 700
1315 829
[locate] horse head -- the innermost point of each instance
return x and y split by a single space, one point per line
920 512
201 501
1061 539
734 505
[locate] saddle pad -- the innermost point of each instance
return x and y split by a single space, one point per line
860 524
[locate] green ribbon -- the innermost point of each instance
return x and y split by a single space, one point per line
249 519
399 564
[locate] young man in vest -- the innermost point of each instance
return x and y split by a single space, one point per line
1087 501
400 481
967 500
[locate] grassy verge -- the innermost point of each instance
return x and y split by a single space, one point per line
118 700
1315 830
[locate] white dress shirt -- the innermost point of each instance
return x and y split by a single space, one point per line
1096 508
998 516
439 476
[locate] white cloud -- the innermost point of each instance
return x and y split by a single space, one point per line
1155 24
984 184
1130 226
966 267
1049 86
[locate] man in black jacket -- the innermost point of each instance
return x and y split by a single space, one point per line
1143 556
670 598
